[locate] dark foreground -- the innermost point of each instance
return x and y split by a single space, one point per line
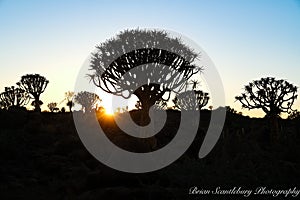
42 157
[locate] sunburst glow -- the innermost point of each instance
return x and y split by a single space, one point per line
109 111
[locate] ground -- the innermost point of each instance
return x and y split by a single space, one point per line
42 157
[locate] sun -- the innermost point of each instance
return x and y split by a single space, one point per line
109 111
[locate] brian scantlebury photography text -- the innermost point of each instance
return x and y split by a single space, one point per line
246 192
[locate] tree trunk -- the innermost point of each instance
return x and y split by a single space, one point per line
37 107
148 95
146 105
274 129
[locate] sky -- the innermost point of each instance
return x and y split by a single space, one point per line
246 40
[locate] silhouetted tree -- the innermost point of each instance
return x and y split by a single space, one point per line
35 85
143 48
185 100
69 98
87 100
294 115
161 105
14 97
195 84
52 106
230 110
191 99
272 96
175 102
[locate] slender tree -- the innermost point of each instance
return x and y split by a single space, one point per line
272 96
195 84
69 98
35 85
133 48
14 97
87 100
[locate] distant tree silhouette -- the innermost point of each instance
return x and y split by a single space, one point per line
35 85
230 110
294 115
52 106
195 84
161 105
175 102
87 100
185 100
14 97
69 98
272 96
131 46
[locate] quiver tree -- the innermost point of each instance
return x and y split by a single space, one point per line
87 100
272 96
191 99
52 106
35 85
14 97
294 115
69 98
164 63
161 105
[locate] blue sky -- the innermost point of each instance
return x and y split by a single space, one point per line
245 39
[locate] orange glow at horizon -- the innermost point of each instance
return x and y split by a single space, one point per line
108 111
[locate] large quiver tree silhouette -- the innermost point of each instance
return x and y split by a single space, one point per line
165 64
35 85
14 97
272 96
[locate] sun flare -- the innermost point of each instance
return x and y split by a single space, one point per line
109 111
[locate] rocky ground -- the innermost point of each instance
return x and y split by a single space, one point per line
42 157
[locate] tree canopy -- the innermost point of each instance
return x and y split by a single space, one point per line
271 95
35 85
13 97
87 100
164 64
